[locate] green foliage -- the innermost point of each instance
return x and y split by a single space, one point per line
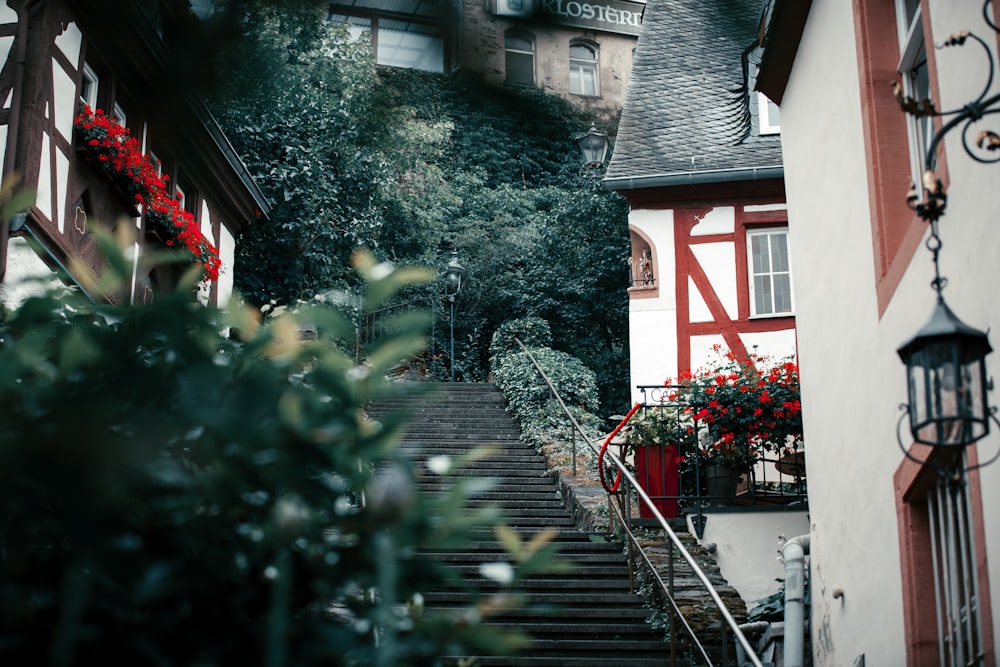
661 425
540 416
413 164
170 495
531 331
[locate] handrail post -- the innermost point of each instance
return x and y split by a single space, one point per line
671 621
572 434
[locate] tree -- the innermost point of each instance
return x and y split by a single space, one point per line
170 495
412 165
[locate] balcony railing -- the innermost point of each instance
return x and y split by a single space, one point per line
775 481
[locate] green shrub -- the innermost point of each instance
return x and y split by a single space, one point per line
532 331
173 496
540 416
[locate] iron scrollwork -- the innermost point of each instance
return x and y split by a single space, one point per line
929 198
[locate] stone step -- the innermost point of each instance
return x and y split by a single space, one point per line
585 617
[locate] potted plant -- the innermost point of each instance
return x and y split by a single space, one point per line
658 435
741 409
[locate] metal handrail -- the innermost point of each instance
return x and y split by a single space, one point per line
750 653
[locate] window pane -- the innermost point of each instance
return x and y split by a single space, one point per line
583 79
779 252
773 114
581 52
782 293
762 295
409 45
518 44
520 68
759 252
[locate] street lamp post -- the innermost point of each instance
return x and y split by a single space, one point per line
454 281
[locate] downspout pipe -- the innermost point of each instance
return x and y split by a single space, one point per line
794 553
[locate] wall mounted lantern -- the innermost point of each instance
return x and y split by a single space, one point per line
946 360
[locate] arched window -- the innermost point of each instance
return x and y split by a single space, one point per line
520 59
642 278
583 69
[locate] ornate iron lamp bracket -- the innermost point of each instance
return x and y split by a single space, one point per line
928 198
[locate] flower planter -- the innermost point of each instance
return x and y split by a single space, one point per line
720 483
656 472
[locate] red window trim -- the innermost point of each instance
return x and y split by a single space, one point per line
912 480
896 231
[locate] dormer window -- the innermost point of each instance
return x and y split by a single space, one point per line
768 115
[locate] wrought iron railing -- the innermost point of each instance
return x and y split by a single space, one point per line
625 488
777 480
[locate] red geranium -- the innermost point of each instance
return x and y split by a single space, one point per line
743 407
111 148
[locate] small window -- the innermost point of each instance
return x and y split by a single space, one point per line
156 162
770 272
181 197
119 115
916 81
88 86
768 115
520 60
583 70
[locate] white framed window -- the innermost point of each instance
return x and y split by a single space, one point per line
397 43
88 86
770 271
916 80
156 162
519 51
583 69
768 115
181 197
119 115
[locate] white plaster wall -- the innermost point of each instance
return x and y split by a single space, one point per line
227 251
747 547
852 379
26 275
653 321
718 260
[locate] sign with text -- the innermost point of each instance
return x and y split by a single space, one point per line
619 16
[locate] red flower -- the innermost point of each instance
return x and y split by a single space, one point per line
118 154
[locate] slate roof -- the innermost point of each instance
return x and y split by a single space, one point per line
687 107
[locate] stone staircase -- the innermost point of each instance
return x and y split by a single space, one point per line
583 618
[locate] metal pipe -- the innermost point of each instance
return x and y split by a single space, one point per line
794 555
452 353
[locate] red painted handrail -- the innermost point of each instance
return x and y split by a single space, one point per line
604 448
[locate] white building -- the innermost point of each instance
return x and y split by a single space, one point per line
862 288
698 156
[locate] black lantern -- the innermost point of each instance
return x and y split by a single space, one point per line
454 276
946 378
594 146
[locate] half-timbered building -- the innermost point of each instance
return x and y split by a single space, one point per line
158 168
698 155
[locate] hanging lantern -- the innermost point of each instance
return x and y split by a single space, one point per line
946 380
